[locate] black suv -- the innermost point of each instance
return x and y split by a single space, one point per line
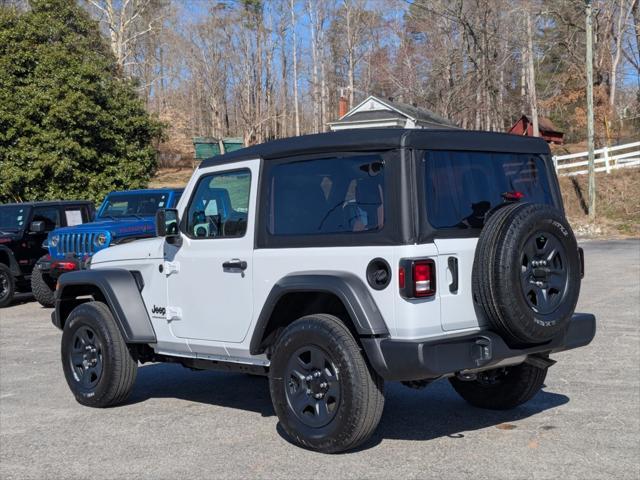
23 229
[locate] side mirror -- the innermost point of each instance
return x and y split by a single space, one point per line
37 227
167 222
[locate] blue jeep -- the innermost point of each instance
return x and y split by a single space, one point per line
123 217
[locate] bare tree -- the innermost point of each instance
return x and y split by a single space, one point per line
126 23
265 70
624 12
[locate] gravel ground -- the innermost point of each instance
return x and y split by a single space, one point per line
183 424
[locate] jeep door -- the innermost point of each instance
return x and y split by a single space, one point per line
210 273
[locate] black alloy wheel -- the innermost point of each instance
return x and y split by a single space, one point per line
492 377
7 286
4 285
85 358
313 386
544 276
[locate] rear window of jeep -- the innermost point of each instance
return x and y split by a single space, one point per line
326 196
461 187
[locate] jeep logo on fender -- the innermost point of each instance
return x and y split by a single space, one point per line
158 311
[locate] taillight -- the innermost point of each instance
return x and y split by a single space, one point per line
514 196
64 265
424 278
417 278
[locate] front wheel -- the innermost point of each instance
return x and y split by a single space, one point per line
501 388
97 364
325 395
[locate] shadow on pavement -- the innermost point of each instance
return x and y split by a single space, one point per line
438 411
434 412
232 390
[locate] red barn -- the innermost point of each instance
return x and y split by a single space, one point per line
548 130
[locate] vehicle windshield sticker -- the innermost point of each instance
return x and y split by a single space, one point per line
74 217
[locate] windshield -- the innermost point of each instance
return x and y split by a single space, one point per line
133 205
13 217
461 187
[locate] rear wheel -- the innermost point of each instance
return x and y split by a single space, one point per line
43 287
326 396
7 286
501 388
97 364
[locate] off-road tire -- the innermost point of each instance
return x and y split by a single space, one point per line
9 286
498 296
518 384
361 389
119 368
43 288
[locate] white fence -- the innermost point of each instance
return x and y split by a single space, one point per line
606 159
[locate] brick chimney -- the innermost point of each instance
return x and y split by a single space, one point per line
343 106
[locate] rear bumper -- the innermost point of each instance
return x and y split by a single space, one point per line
421 359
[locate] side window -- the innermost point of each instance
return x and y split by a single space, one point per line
219 206
326 196
49 215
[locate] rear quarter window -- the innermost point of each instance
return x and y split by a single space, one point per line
461 187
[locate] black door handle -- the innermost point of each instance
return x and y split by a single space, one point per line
235 264
453 267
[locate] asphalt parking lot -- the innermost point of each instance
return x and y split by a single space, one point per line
184 424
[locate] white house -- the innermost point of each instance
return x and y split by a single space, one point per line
375 112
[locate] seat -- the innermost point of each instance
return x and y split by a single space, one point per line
368 211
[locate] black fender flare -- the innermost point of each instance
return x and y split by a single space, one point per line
122 295
13 263
351 290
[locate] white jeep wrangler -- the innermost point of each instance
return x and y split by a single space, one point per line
334 262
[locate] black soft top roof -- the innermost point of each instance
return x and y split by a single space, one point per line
49 203
372 139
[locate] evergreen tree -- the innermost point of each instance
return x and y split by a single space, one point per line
70 125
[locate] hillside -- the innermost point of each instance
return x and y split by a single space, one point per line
617 208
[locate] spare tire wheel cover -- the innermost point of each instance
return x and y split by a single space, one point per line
533 278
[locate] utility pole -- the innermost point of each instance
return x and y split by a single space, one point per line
533 97
296 106
590 134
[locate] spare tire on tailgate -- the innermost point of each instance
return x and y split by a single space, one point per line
526 273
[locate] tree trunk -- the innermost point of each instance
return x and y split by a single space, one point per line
623 16
533 100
